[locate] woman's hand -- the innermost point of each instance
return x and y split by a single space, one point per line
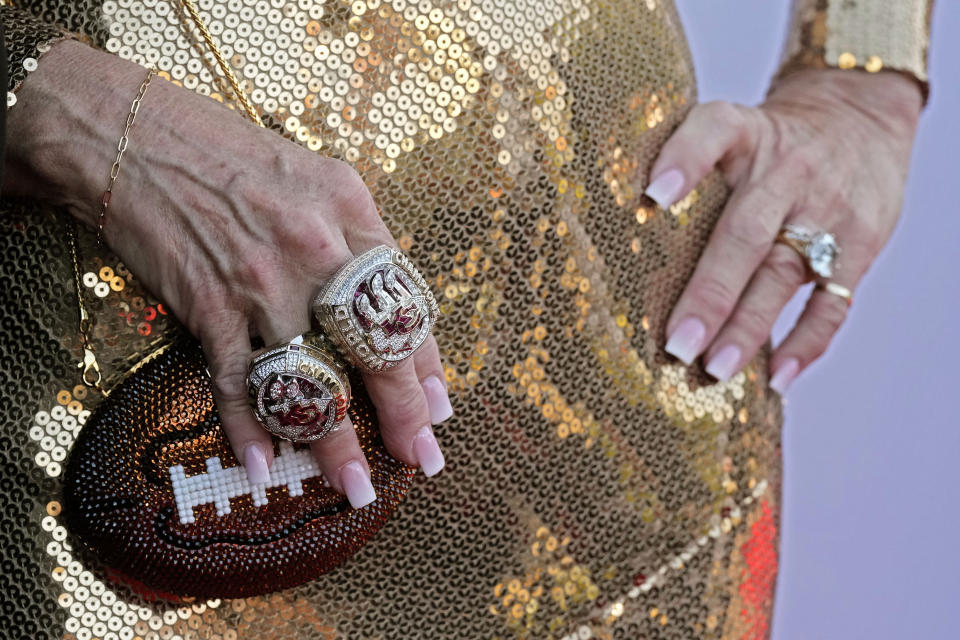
232 226
828 150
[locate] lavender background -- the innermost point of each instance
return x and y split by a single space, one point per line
869 544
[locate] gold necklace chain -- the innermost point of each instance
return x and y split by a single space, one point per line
227 71
90 375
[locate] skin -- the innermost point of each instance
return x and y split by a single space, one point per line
235 228
829 150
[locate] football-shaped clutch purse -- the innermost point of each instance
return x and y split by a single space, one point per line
153 489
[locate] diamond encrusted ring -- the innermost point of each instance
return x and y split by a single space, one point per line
298 390
818 248
377 308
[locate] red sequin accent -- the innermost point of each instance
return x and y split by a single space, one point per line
760 575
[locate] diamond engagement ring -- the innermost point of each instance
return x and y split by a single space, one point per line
297 389
377 308
818 248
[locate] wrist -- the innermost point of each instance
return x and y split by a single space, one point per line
889 97
65 128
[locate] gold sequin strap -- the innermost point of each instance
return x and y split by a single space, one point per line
868 34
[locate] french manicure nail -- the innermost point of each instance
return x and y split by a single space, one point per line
725 363
427 452
784 375
356 484
687 339
437 399
255 461
667 188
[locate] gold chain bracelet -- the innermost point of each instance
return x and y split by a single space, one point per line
121 147
90 368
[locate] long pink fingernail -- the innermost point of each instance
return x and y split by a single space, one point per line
687 339
255 461
725 363
784 375
427 452
356 484
437 399
667 188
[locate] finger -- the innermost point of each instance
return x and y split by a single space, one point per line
288 322
824 312
740 241
285 316
226 344
404 417
403 410
360 219
432 380
714 132
821 318
344 466
774 283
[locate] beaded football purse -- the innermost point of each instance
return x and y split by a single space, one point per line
153 489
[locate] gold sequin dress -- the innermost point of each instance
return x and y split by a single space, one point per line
595 488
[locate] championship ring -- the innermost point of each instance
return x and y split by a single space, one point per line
297 390
378 309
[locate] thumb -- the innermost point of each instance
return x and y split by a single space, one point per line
712 133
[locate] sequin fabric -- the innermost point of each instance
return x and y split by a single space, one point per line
869 34
594 487
26 39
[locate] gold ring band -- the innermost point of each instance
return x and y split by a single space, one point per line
837 290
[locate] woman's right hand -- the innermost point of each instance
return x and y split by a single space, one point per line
232 226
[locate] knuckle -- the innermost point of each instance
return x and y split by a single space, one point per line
862 241
754 322
725 112
355 206
785 267
816 348
428 362
350 190
340 445
257 270
196 309
739 119
367 225
802 162
747 230
334 172
407 409
831 315
823 326
322 251
868 245
340 170
713 297
230 387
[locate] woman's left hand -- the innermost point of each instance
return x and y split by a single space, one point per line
828 150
